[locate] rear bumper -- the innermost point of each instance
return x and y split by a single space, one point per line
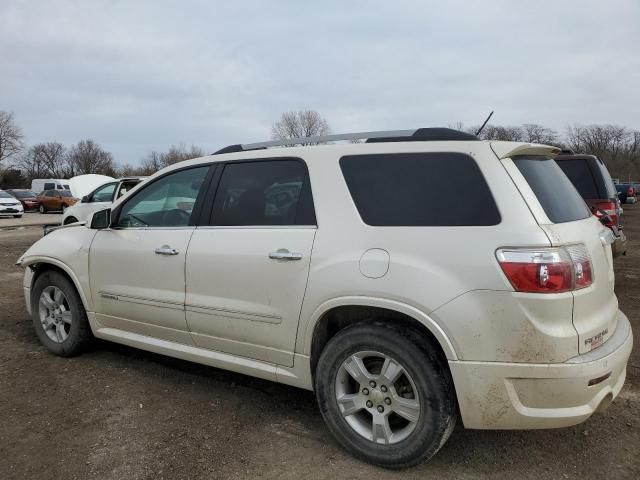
494 395
619 245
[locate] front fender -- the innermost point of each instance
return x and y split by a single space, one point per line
28 261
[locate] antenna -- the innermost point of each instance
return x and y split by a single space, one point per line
484 124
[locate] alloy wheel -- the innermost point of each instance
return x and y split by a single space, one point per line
377 397
55 314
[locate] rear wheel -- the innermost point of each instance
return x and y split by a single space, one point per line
41 209
58 315
386 394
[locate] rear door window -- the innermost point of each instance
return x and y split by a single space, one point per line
264 193
555 192
435 189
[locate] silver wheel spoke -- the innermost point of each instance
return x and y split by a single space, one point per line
60 333
47 323
66 317
58 296
381 431
407 408
391 371
350 403
46 300
355 367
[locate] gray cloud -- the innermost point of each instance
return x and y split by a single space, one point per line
142 75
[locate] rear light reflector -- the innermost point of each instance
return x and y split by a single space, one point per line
595 381
546 270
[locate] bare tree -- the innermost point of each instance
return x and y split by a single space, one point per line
10 137
534 133
301 124
89 157
31 164
155 161
52 156
497 132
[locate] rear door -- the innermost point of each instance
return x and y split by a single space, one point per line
563 215
247 270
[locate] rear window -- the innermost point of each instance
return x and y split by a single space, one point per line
579 172
419 190
556 193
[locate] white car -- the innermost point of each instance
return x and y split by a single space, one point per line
345 269
9 205
100 198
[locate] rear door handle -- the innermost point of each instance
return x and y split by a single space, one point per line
166 250
284 254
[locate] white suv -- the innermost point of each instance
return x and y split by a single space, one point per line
98 199
417 278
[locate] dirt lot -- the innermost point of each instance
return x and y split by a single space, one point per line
116 413
30 218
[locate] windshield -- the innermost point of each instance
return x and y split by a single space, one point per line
25 194
4 195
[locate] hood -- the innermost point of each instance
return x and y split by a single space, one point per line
84 184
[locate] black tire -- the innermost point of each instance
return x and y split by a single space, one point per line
17 216
429 371
79 335
70 220
42 208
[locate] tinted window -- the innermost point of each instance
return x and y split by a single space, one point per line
419 189
579 172
104 193
65 193
275 192
49 186
556 194
167 202
610 191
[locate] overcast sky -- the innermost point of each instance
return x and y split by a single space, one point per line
141 75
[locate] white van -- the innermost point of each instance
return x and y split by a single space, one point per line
40 184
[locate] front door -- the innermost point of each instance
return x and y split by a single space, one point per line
137 265
247 271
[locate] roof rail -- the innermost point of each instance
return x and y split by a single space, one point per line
418 135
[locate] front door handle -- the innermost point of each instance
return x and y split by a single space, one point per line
284 254
166 250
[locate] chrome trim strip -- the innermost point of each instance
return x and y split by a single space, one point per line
142 300
223 312
258 227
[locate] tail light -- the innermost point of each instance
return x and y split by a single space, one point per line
631 192
547 270
600 209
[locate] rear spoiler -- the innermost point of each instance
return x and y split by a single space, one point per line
512 149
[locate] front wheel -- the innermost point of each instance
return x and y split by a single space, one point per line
70 220
386 394
58 315
41 209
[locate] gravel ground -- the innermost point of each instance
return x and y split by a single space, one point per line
116 412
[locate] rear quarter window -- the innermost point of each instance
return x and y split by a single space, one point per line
579 172
555 192
419 190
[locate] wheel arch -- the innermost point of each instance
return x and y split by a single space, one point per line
336 314
39 265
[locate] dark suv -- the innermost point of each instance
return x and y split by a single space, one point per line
592 179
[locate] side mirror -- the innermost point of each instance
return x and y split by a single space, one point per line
85 199
101 219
